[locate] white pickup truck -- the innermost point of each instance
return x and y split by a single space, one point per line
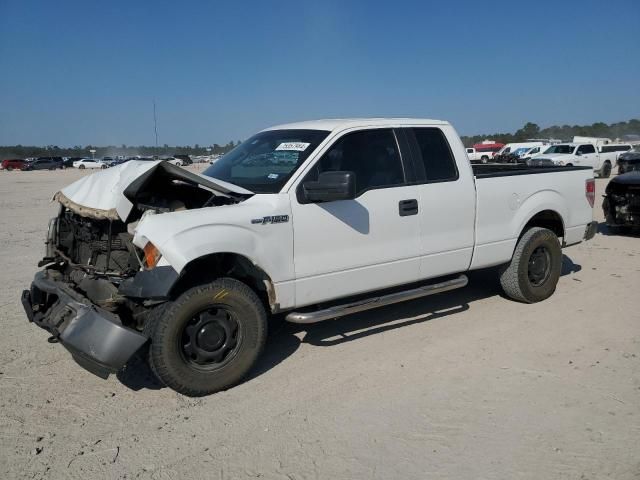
575 154
316 220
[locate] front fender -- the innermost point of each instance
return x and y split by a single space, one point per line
184 236
271 249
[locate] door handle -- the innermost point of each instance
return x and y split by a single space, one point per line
408 207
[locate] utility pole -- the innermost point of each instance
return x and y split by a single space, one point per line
155 123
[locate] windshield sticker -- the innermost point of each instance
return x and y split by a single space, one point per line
272 176
295 146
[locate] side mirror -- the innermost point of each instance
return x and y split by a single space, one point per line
331 186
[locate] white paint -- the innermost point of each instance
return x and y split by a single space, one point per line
331 250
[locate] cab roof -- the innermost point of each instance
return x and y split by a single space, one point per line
332 124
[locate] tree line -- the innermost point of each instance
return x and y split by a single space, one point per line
561 132
29 151
529 130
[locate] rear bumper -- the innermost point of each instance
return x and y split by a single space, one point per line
591 230
96 338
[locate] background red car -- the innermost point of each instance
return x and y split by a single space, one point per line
13 164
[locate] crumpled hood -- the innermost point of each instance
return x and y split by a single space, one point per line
107 194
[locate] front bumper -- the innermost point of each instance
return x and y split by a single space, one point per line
96 338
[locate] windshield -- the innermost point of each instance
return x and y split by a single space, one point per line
520 151
566 149
265 162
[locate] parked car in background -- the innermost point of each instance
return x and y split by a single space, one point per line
13 164
89 163
629 161
483 152
173 161
612 151
514 152
68 163
621 204
45 163
108 161
184 160
574 154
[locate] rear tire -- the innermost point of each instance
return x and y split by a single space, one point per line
534 270
81 167
208 339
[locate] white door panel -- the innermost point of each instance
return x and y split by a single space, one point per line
447 218
351 246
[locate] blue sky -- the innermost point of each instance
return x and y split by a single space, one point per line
86 72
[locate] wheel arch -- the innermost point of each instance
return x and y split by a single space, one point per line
549 219
228 264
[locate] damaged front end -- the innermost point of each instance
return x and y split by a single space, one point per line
621 203
97 288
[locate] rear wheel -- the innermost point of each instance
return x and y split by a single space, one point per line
534 270
208 338
81 167
569 165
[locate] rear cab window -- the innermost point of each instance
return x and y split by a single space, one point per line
432 155
588 148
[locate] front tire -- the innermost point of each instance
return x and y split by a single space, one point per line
534 270
208 339
82 167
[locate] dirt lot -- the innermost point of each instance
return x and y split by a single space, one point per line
464 385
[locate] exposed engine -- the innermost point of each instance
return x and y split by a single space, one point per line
96 245
92 250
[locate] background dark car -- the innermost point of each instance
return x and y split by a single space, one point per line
68 163
13 164
621 205
629 161
45 163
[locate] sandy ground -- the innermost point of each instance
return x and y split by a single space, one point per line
463 385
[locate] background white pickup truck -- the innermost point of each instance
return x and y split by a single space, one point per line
575 154
315 219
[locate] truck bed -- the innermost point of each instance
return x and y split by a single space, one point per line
489 170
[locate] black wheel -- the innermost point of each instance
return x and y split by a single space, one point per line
569 165
208 338
9 169
532 274
81 167
484 159
606 170
103 167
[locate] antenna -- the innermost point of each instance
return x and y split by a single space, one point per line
155 123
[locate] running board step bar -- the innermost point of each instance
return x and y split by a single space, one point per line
375 302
